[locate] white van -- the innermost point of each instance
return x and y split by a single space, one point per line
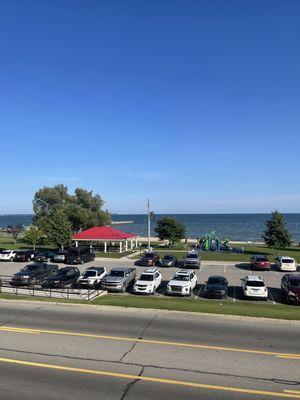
284 263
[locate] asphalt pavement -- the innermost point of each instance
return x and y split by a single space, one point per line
80 352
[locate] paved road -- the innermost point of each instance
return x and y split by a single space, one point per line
79 352
233 272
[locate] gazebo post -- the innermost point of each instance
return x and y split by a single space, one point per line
136 242
121 247
126 245
105 247
76 243
131 244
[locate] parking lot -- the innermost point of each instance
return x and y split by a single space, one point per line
233 272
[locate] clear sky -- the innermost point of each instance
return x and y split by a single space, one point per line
193 103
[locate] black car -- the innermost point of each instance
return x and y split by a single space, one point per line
44 256
62 278
80 255
168 261
32 274
290 285
216 287
25 255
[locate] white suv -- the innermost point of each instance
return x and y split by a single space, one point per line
7 255
284 263
148 282
91 277
182 283
254 287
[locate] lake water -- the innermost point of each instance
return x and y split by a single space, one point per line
242 227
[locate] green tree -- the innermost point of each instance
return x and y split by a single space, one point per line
83 209
58 229
33 236
276 234
168 228
15 231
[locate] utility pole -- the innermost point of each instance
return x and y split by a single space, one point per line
149 226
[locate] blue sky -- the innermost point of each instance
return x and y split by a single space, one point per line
194 104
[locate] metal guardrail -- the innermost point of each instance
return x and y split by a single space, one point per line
65 293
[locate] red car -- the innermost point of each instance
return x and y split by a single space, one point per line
260 262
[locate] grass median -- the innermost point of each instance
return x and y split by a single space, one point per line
226 307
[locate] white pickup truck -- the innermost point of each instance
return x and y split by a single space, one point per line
182 283
148 282
91 277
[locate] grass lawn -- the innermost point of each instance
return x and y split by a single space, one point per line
8 243
182 304
245 257
113 255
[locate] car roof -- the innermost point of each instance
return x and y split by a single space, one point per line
286 257
183 272
253 278
118 268
294 277
150 271
93 269
217 277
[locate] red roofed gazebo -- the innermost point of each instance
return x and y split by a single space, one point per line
106 235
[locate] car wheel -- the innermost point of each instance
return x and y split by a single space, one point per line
32 282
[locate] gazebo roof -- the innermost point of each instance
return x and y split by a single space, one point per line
103 233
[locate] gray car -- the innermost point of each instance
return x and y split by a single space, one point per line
192 260
118 279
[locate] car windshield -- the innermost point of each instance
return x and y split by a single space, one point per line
168 258
30 268
192 256
87 274
295 283
117 273
181 278
62 272
149 255
5 252
287 261
259 259
74 252
255 283
146 277
216 281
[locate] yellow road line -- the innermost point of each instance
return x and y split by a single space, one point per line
147 341
152 380
291 357
293 391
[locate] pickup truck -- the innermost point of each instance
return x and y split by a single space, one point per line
118 279
33 274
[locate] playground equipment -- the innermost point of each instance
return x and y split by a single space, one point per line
210 242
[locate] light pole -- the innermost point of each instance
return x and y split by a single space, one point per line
149 224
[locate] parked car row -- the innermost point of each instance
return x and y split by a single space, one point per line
192 260
182 283
74 255
151 258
